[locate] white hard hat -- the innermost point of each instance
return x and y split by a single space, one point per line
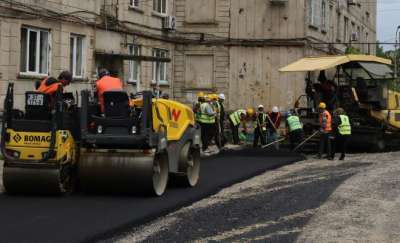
260 106
221 96
275 109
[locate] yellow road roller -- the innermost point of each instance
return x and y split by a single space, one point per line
39 149
136 144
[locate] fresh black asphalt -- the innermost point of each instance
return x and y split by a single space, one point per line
280 210
88 218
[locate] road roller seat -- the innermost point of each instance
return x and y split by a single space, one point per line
116 104
118 117
37 106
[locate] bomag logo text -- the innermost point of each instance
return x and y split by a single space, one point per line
36 139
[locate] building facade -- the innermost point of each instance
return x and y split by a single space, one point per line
230 46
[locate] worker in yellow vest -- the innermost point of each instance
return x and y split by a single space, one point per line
196 105
342 127
235 119
221 99
294 128
260 127
206 119
217 109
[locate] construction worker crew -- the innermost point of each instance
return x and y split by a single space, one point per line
325 122
106 83
295 128
206 120
50 85
260 127
235 118
274 124
221 99
342 128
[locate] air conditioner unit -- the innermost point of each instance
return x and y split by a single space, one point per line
354 36
169 23
278 1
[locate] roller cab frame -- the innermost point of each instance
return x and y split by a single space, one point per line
38 144
135 145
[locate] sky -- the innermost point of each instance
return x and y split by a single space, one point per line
387 20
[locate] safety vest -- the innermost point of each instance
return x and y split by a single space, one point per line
262 124
204 117
217 109
217 106
235 117
294 123
48 89
197 111
328 121
345 127
107 83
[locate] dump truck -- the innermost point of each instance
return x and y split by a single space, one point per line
137 145
39 145
363 85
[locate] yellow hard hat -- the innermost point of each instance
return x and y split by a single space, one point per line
214 96
322 105
250 111
200 94
207 97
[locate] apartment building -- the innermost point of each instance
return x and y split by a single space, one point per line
184 46
43 37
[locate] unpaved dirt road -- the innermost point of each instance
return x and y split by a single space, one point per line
357 200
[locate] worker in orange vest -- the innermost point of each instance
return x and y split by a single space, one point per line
106 83
50 85
325 122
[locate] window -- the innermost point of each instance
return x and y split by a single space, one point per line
199 71
134 66
35 51
323 15
346 29
330 24
314 16
160 68
76 57
160 6
193 7
134 3
338 29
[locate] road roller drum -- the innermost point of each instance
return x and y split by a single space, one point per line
135 145
124 172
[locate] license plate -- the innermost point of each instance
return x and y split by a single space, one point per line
35 99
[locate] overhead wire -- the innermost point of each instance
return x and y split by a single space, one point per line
179 37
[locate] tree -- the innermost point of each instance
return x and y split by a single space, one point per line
352 50
380 52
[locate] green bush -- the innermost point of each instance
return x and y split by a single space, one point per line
352 50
